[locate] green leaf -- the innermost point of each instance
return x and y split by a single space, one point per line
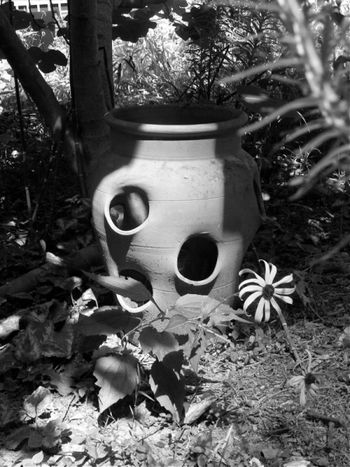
179 324
194 306
36 53
107 321
125 286
46 65
131 30
168 387
35 439
224 314
19 19
51 434
37 403
174 360
117 376
56 57
159 343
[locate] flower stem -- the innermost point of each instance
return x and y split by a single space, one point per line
288 336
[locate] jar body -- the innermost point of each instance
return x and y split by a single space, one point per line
175 202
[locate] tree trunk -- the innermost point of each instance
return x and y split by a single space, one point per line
29 76
90 21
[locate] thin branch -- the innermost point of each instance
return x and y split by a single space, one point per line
319 140
294 105
282 63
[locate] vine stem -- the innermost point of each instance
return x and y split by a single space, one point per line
289 337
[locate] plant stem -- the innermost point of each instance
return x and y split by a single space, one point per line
288 336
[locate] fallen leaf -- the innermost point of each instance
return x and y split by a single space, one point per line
37 403
197 409
38 458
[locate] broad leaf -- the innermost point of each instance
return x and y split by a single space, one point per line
159 343
107 321
62 382
51 434
56 57
125 286
19 19
131 30
194 306
178 324
36 53
46 66
117 376
168 388
37 403
224 314
174 360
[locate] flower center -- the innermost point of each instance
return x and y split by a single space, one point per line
268 291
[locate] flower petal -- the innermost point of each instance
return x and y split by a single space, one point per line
259 314
246 271
249 288
285 291
251 299
284 280
275 305
253 281
267 310
284 298
270 274
296 380
267 269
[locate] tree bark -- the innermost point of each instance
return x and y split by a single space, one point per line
91 99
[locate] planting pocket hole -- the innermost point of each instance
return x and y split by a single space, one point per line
197 258
129 209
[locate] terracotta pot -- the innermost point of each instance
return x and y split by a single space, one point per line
176 200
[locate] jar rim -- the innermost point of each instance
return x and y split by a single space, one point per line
175 121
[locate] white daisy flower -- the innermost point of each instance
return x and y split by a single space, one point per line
267 291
